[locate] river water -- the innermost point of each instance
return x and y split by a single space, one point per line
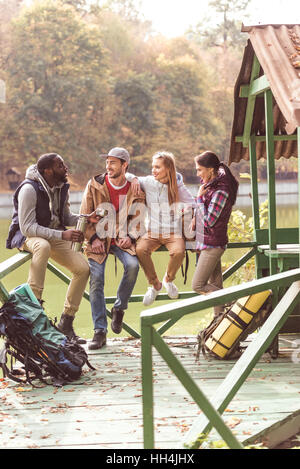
286 198
54 294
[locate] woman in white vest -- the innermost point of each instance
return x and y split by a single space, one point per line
166 199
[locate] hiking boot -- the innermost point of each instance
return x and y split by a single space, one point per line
150 296
117 320
171 288
65 326
99 340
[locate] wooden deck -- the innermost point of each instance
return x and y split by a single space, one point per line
104 411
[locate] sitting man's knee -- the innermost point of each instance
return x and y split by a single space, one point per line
85 269
41 246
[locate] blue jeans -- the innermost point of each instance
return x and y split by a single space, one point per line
97 298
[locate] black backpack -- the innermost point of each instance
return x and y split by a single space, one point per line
33 340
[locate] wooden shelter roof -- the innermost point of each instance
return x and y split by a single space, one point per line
277 48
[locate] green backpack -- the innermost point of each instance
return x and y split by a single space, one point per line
34 341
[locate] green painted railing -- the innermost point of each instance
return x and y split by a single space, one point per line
20 258
169 314
213 409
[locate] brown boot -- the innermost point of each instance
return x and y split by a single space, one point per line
65 326
117 320
99 340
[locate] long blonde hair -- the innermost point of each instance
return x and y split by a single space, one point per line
169 163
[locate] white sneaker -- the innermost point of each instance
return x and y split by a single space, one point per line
150 296
171 288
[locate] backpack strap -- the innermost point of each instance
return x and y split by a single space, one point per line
185 271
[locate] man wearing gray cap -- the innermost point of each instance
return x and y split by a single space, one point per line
111 195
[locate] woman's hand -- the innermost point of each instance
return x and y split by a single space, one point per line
202 190
136 187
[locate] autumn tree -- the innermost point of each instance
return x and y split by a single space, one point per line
57 74
84 76
221 43
221 26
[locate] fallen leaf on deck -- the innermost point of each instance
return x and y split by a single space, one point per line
233 422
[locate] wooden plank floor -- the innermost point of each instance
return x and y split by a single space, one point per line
105 410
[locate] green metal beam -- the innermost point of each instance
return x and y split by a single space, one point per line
147 387
160 297
4 295
13 262
243 367
255 196
262 138
271 174
86 295
181 308
245 258
195 392
8 266
254 184
251 103
258 86
162 329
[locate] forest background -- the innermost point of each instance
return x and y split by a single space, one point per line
83 76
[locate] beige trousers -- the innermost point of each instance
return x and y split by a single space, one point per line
146 245
208 273
60 251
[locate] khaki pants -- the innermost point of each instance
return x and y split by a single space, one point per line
146 245
60 251
208 273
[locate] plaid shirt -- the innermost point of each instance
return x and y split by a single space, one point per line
212 214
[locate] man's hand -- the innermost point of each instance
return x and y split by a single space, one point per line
124 243
98 246
93 217
76 236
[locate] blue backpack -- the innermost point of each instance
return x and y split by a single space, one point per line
33 340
